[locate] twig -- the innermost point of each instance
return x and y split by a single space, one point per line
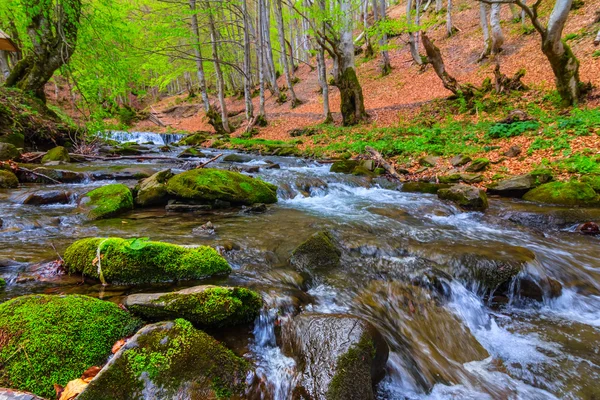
209 161
54 248
40 175
387 166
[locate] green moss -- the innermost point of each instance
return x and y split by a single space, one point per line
208 185
344 166
593 181
478 164
8 180
2 283
50 340
424 187
8 152
212 307
318 251
56 154
138 261
351 371
107 201
178 359
452 178
564 193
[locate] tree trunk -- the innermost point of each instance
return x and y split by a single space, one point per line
435 58
413 37
260 60
4 65
54 37
483 21
449 24
218 71
597 39
439 4
247 66
284 59
198 56
270 62
322 71
497 35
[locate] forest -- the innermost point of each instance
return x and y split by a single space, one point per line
299 199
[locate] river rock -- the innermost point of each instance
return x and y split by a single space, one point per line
344 166
10 394
17 139
467 197
564 193
423 187
175 206
589 228
141 261
191 153
63 176
8 180
428 161
538 289
517 186
122 174
44 198
56 154
341 356
238 158
307 184
512 152
210 185
204 306
479 164
553 218
152 191
471 178
62 336
106 202
460 160
170 360
8 152
195 139
318 251
450 178
255 209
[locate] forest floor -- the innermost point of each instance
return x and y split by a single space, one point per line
410 115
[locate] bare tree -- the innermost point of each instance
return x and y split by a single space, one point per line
284 59
497 35
260 60
247 63
485 28
198 56
412 9
449 24
386 67
218 72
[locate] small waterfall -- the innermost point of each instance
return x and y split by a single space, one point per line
145 137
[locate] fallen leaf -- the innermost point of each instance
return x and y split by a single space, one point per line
73 389
120 343
90 373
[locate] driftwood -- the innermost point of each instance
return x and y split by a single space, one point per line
154 118
215 158
386 165
39 175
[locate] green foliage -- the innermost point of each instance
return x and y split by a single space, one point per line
596 53
146 261
580 164
49 340
126 116
501 130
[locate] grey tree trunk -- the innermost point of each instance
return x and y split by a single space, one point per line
4 65
497 35
198 56
260 59
322 71
218 72
485 28
268 54
449 24
386 67
282 47
247 66
413 37
439 4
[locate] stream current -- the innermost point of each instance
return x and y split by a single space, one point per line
464 348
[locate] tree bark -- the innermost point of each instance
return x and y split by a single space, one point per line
386 67
198 56
4 65
435 58
284 59
413 37
268 53
449 24
497 35
322 71
483 21
53 33
260 60
218 72
247 64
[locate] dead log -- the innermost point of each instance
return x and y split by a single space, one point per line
215 158
377 157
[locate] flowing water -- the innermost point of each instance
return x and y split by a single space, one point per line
455 346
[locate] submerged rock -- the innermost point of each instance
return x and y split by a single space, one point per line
589 228
467 197
423 187
8 180
517 186
191 153
344 166
52 197
56 154
152 191
170 360
341 356
51 340
204 306
318 251
209 185
106 202
118 260
60 175
564 193
239 158
8 152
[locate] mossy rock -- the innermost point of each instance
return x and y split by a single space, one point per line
16 139
195 139
428 161
423 187
56 154
340 356
64 176
344 166
140 261
451 178
152 191
191 153
204 306
517 186
564 193
8 152
478 165
107 202
238 158
49 340
467 197
593 181
8 180
170 360
209 185
318 251
460 160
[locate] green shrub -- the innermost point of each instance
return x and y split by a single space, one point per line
501 130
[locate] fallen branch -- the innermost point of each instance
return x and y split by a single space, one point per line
215 158
128 157
39 175
154 118
387 166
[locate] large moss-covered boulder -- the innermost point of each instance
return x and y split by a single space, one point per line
17 139
564 193
204 306
318 251
8 152
344 166
467 197
116 260
106 202
49 340
340 356
170 360
593 181
8 180
56 154
152 191
209 185
517 186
